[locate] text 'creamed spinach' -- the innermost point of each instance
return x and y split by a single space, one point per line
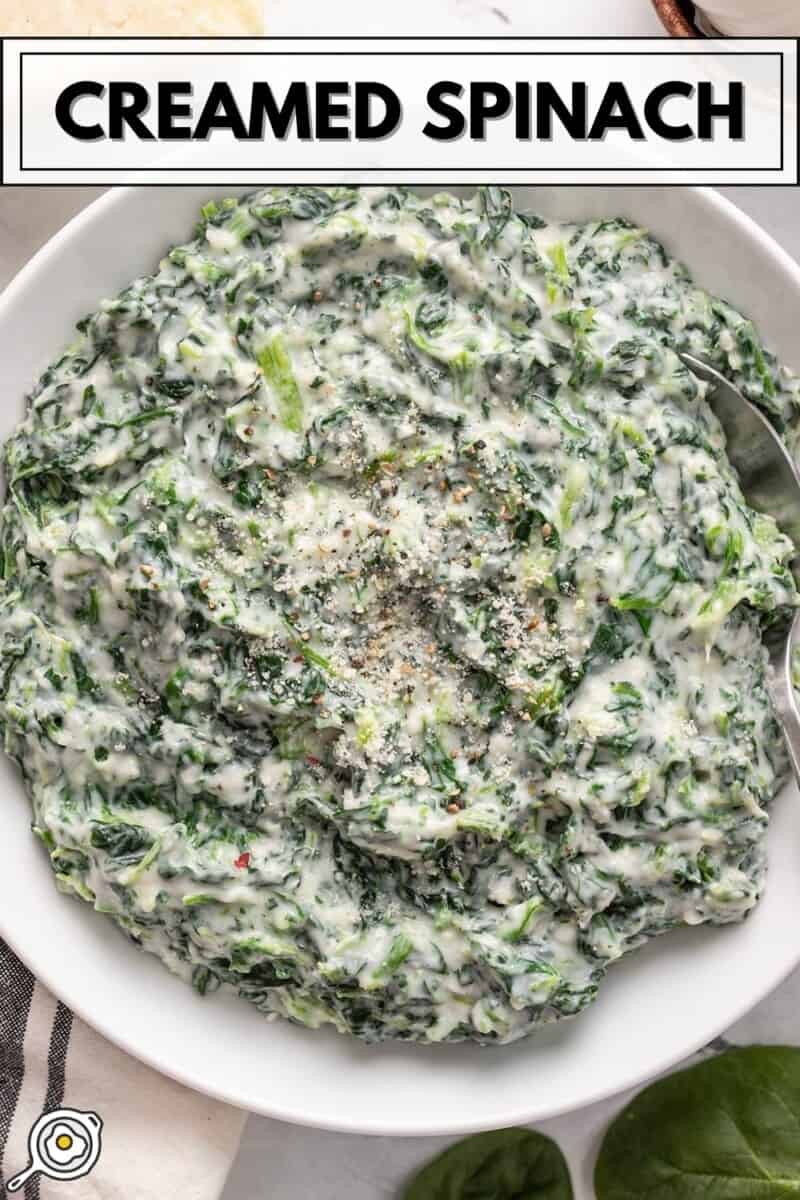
381 619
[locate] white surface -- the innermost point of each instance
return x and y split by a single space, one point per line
687 985
459 18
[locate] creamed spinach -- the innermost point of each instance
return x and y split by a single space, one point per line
381 619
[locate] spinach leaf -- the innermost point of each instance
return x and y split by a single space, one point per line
83 681
529 518
277 368
307 203
176 389
432 314
727 1129
123 842
508 1164
609 639
497 206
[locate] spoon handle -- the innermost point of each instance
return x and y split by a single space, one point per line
784 699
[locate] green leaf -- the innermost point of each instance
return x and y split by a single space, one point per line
125 843
626 696
581 320
497 206
642 607
431 314
508 1164
527 519
609 640
734 547
727 1129
557 253
277 367
84 683
399 951
173 693
89 397
90 609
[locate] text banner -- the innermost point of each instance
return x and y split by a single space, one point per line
605 111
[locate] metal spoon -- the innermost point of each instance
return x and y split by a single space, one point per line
770 484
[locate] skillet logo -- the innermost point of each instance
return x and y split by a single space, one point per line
63 1144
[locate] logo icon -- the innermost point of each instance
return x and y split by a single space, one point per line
63 1144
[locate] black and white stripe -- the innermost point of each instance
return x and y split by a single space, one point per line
17 988
56 1075
16 994
50 1060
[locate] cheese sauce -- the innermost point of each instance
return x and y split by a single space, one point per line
381 619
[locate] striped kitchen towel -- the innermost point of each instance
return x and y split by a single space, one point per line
98 1124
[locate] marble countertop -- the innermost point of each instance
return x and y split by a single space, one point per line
460 18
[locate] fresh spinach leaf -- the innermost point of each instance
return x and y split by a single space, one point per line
726 1129
507 1164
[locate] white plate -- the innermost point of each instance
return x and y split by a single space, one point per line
656 1006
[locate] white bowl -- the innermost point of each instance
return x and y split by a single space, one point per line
657 1006
753 18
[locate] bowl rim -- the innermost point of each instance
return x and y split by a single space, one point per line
247 1096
